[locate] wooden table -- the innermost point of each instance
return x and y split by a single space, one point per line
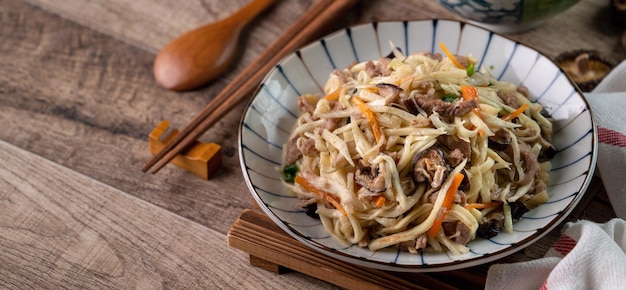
77 102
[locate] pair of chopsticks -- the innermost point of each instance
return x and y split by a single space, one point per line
304 30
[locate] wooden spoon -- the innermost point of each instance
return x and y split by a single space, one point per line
198 56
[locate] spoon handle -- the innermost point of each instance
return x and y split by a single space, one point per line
251 10
304 30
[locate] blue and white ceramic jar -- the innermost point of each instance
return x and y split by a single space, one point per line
507 15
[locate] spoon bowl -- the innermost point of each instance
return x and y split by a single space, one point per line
198 56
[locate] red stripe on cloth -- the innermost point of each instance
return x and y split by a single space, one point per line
608 136
564 245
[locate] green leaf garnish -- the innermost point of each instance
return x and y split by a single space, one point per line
289 172
470 70
449 98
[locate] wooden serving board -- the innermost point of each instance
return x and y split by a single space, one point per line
273 249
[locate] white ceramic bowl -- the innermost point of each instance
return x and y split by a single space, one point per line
270 115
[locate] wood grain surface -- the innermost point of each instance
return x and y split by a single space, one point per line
57 227
77 102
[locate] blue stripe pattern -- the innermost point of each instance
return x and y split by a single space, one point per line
349 34
268 118
507 63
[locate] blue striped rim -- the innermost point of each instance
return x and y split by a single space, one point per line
284 210
587 154
562 198
552 215
486 253
277 195
264 88
508 62
405 25
323 44
397 256
299 55
245 125
432 45
590 132
541 95
486 50
279 68
573 93
268 159
349 33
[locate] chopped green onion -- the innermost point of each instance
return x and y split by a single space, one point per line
289 172
449 98
470 70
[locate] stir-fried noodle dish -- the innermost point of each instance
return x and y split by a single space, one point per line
424 152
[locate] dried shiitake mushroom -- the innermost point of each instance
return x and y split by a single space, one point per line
586 67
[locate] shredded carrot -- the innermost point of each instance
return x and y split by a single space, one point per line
478 205
515 113
325 195
334 95
370 117
445 206
379 201
450 56
477 112
402 80
469 92
481 133
373 90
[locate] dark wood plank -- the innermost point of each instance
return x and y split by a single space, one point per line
88 102
102 92
586 25
146 24
77 90
62 229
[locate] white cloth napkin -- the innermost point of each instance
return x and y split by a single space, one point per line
607 102
588 255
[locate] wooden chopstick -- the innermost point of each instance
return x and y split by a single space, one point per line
234 85
301 32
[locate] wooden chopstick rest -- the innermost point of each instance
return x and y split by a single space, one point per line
201 159
304 30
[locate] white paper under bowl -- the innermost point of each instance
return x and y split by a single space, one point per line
272 112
